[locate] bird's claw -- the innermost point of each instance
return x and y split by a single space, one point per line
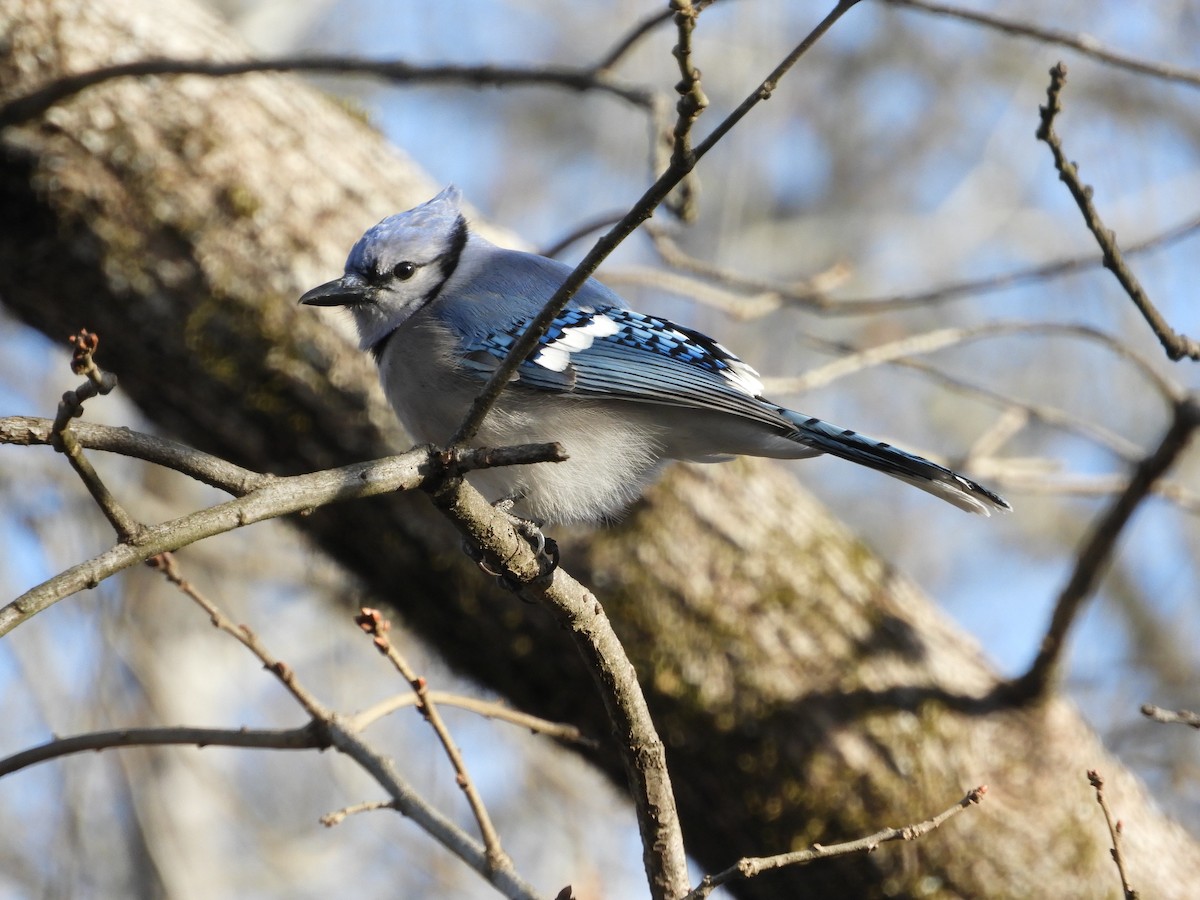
544 548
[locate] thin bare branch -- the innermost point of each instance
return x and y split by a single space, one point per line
1026 476
1176 345
1114 831
580 613
1041 412
1171 717
305 738
62 440
167 565
332 728
271 498
374 623
486 708
738 305
579 232
411 805
943 338
1082 43
339 816
224 475
973 286
35 103
1098 548
691 104
751 867
748 297
622 47
205 468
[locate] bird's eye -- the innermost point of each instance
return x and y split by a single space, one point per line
404 270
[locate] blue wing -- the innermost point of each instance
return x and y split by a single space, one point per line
616 353
597 347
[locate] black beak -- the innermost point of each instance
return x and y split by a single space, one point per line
348 290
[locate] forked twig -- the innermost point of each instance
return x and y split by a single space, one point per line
1115 829
1176 345
373 622
751 867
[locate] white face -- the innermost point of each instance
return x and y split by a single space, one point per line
398 282
396 268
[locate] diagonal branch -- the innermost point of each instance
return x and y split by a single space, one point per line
1114 833
1170 716
1081 43
580 613
61 439
373 622
489 709
1177 345
749 868
273 497
749 297
1098 550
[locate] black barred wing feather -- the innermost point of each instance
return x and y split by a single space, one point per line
620 354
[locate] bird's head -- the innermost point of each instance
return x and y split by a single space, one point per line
398 266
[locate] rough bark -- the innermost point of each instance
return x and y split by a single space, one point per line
805 691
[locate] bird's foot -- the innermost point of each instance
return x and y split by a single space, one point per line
544 548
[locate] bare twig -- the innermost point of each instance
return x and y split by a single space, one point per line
411 805
751 867
35 103
579 232
61 438
305 738
339 816
972 286
750 297
373 622
486 708
629 41
224 475
1098 548
1114 831
1082 43
166 564
858 359
1171 717
692 102
1176 345
1041 412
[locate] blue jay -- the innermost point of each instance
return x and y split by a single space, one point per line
438 307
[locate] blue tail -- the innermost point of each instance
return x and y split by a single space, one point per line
915 470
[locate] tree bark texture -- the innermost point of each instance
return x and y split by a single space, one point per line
805 691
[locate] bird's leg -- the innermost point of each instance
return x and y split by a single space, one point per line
544 548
